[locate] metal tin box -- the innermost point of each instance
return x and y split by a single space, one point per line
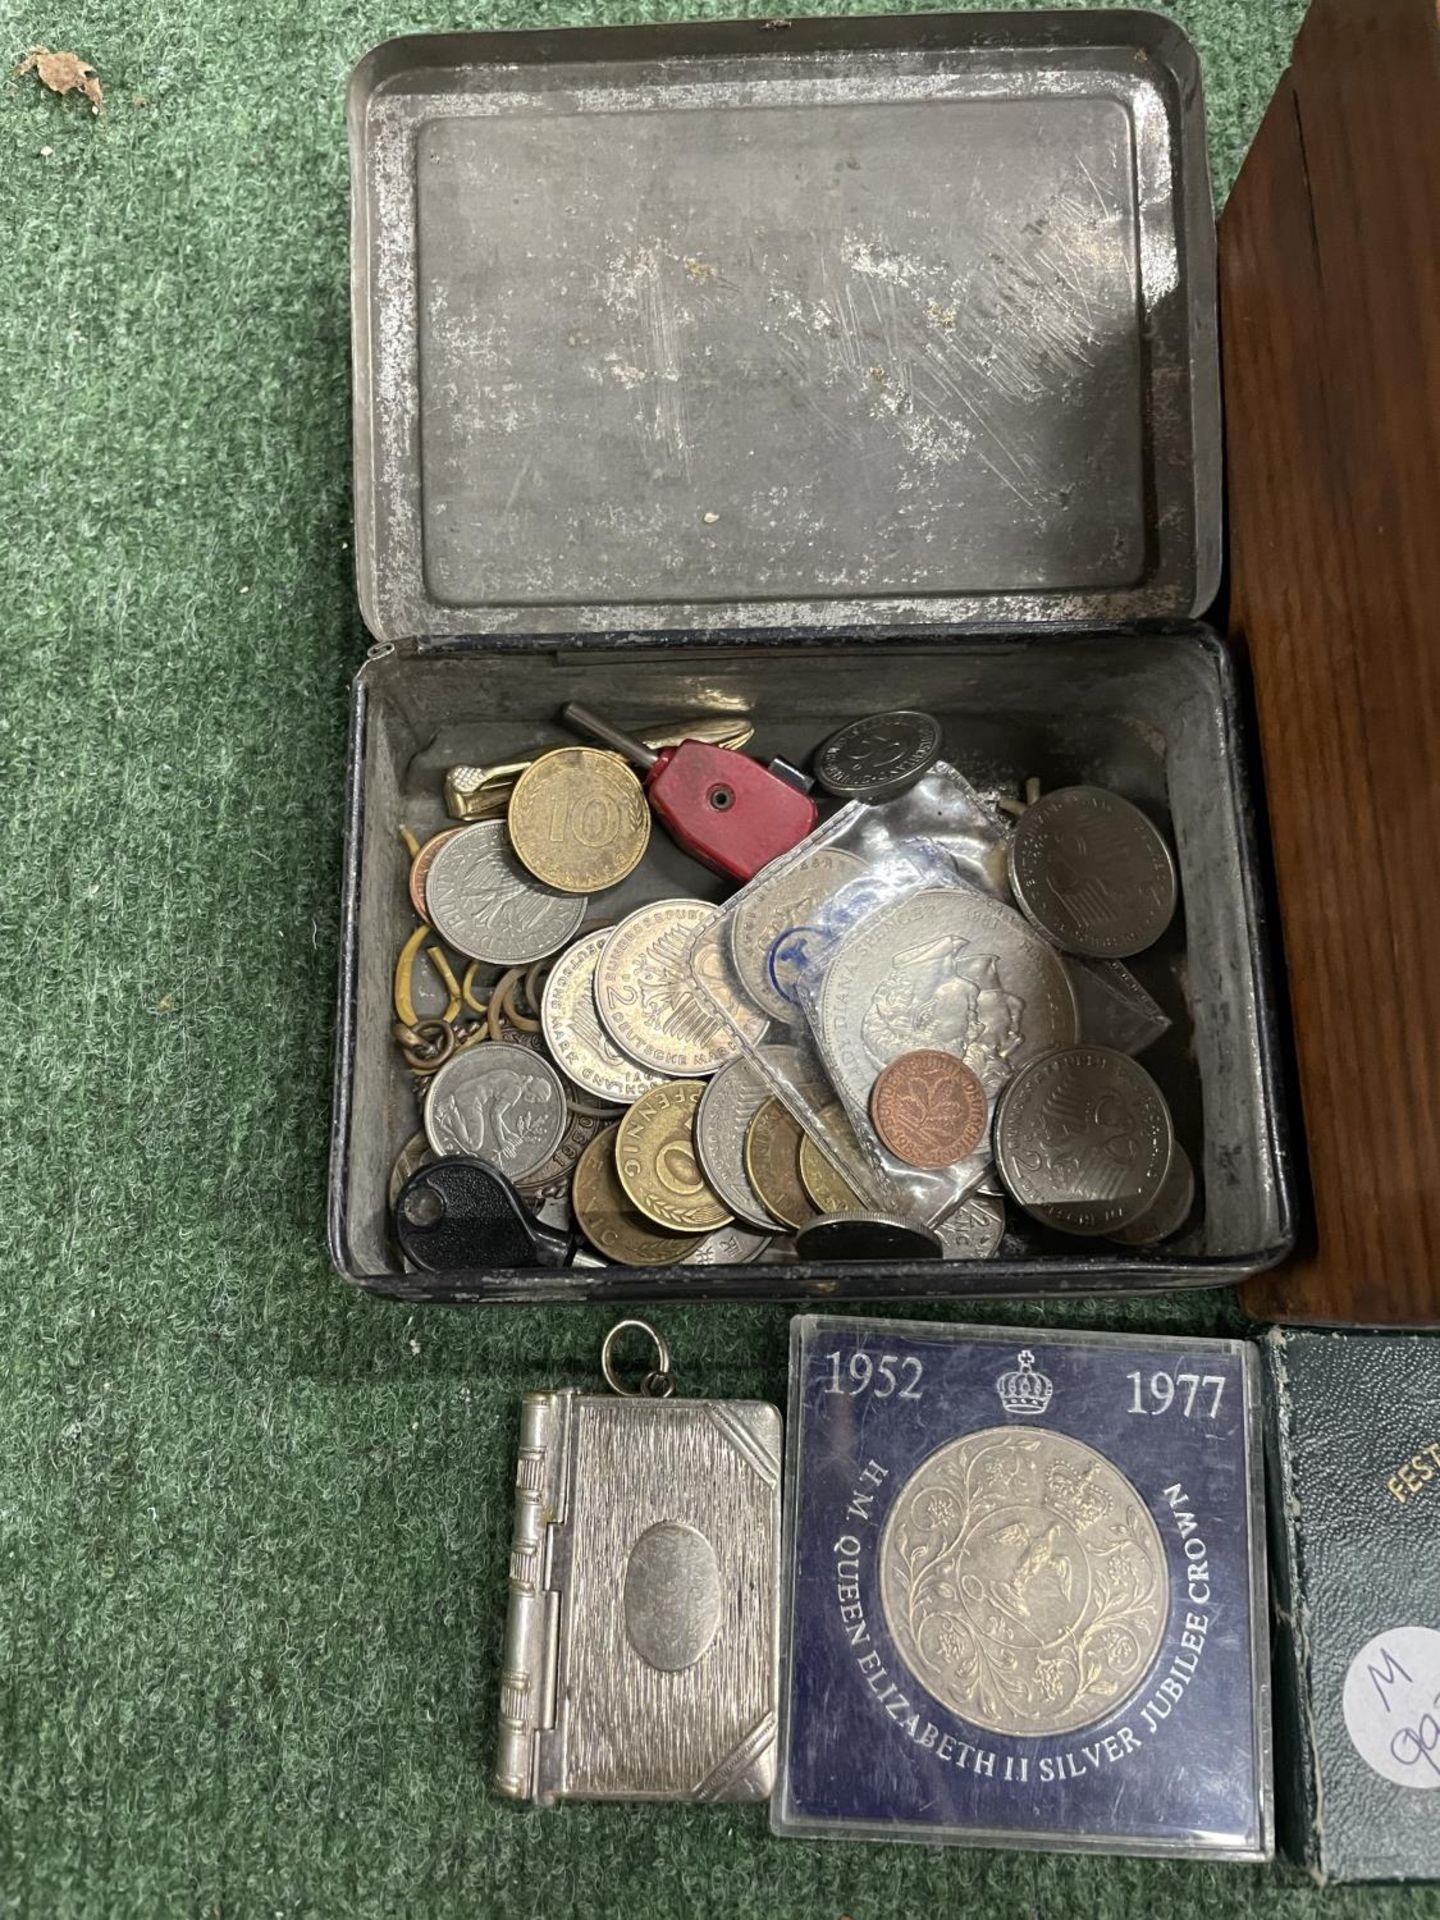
802 369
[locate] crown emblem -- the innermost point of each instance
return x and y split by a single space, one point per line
1023 1390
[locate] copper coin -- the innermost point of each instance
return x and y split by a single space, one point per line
929 1109
420 866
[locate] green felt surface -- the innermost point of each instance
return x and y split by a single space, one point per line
253 1527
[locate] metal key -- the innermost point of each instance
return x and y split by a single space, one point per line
722 807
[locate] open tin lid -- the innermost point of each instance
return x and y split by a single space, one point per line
828 324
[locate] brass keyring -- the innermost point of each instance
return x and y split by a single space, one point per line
655 1385
426 1045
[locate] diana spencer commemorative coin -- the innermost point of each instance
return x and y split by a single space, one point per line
948 969
1025 1591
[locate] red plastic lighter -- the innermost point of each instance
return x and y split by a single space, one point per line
720 806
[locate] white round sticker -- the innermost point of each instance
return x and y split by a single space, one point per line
1392 1705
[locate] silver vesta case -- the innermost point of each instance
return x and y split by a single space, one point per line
640 1657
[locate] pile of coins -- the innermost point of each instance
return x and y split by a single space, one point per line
614 1076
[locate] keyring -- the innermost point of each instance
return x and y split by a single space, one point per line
655 1385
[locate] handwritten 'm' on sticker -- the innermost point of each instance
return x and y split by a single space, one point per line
1392 1705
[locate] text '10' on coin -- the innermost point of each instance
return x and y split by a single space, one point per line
1083 1140
484 904
579 819
648 997
656 1160
878 757
573 1032
772 1162
499 1103
929 1109
610 1223
1089 869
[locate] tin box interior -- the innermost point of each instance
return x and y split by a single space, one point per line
800 372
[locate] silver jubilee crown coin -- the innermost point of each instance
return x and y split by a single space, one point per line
948 968
483 902
879 756
1025 1591
1083 1140
640 1658
1089 869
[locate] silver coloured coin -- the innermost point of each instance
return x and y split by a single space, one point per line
648 997
499 1103
866 1236
948 968
1089 869
574 1034
727 1107
1024 1581
878 757
974 1230
775 902
732 1246
1083 1140
483 902
546 1191
1171 1209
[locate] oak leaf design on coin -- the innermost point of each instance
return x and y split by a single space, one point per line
1024 1581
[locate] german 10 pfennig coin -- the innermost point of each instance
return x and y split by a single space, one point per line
1083 1140
498 1103
1089 869
1024 1581
483 903
878 757
579 819
655 1158
608 1221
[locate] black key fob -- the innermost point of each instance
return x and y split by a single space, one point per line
457 1214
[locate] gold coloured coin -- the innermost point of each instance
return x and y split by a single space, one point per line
657 1163
826 1186
772 1163
579 819
608 1221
